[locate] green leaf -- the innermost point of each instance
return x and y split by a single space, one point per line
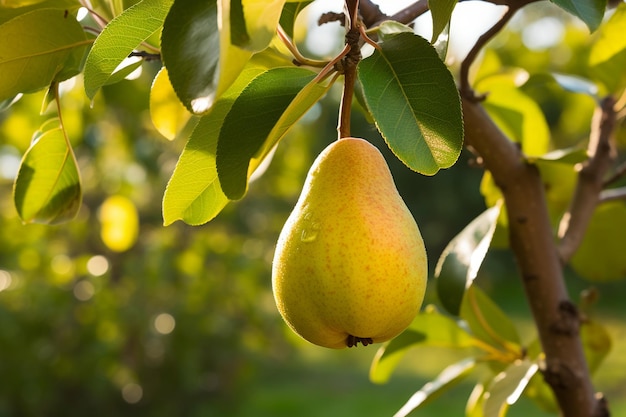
441 12
119 38
569 156
123 72
250 121
47 188
193 193
517 115
389 28
8 13
607 58
474 405
589 11
197 52
429 328
190 47
290 14
596 341
445 380
168 114
302 102
261 19
26 63
487 321
459 263
559 176
442 42
238 32
507 387
413 98
600 256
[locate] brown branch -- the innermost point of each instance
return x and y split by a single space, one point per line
531 239
373 16
591 180
411 12
371 13
466 89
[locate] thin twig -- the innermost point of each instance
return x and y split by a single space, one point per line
146 56
371 13
411 12
99 19
298 57
333 66
590 180
466 89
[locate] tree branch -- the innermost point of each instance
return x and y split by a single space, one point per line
531 239
411 12
591 180
466 89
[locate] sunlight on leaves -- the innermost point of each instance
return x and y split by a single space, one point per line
194 194
119 38
508 386
518 116
441 12
251 119
26 63
461 259
261 18
590 12
600 256
47 188
607 58
168 115
429 328
193 71
488 322
447 378
415 103
290 14
596 341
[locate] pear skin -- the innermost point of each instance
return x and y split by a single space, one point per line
350 264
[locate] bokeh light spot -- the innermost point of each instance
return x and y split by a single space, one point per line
84 290
132 393
97 265
164 323
5 280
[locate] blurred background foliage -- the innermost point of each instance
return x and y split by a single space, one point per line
114 314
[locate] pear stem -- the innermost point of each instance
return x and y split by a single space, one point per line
349 63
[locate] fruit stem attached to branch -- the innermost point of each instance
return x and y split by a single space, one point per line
349 63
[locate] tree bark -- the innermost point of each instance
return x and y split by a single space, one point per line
532 241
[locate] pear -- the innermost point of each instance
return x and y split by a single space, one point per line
350 264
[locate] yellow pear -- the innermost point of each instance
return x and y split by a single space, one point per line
350 263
